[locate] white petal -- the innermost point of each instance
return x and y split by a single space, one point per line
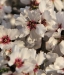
40 72
34 35
32 53
58 4
60 71
2 33
40 58
49 33
34 15
13 33
40 30
24 32
50 68
59 17
51 43
42 6
61 45
25 53
57 34
58 64
21 20
46 15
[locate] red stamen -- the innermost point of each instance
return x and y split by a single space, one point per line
32 24
18 63
36 68
59 27
34 3
44 22
5 39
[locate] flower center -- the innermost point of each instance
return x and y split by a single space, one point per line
0 49
36 68
61 38
5 39
44 22
59 27
18 63
32 24
34 4
62 33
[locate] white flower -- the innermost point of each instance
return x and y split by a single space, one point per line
57 66
19 57
7 36
51 43
8 49
35 62
31 23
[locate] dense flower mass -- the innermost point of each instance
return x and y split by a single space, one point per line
31 37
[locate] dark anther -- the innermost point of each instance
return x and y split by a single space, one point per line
12 40
62 33
7 58
12 68
0 49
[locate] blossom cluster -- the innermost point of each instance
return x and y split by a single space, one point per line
22 36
